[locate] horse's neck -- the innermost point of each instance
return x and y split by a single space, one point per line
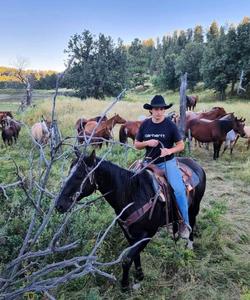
113 182
110 123
226 125
44 126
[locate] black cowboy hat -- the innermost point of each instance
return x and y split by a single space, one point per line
157 101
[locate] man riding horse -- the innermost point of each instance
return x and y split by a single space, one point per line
161 138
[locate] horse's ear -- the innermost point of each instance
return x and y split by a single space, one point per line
77 152
93 156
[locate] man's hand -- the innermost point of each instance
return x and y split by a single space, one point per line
152 143
165 152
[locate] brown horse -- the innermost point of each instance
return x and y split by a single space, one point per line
191 102
80 123
129 130
10 129
102 131
215 131
213 114
4 114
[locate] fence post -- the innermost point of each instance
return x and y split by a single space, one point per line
183 105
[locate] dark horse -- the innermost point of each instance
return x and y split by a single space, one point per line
191 102
119 187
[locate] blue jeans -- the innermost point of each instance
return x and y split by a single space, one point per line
173 174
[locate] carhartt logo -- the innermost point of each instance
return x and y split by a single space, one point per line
153 135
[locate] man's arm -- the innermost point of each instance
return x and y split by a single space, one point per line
150 143
177 148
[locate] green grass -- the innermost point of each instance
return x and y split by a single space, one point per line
219 266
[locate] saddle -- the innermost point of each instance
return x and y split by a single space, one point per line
163 192
159 180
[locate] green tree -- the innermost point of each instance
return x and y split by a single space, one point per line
243 47
190 61
167 79
214 64
137 63
99 67
233 57
213 32
198 34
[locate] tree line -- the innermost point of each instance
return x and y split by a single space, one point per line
102 67
216 57
9 78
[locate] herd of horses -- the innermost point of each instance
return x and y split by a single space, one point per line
11 128
214 126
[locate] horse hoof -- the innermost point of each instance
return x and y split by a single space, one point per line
190 245
136 286
139 275
124 287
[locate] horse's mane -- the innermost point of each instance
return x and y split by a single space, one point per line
129 186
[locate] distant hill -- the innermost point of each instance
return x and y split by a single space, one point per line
8 74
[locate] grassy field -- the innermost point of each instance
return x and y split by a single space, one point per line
219 266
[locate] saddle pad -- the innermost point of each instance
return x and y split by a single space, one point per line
190 178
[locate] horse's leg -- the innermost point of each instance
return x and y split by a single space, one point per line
130 257
215 148
137 260
192 212
218 149
225 148
138 269
234 143
231 148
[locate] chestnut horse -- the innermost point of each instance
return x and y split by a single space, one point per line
80 123
102 131
215 131
129 130
214 113
191 102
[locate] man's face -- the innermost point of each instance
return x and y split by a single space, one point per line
158 113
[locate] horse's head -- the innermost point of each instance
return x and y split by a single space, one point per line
5 122
238 126
118 119
79 183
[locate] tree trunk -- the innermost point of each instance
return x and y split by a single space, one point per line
222 95
28 93
232 88
183 105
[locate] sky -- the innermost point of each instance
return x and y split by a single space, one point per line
39 30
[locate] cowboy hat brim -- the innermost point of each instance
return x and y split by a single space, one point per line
149 106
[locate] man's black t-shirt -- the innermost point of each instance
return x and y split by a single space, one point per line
166 132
